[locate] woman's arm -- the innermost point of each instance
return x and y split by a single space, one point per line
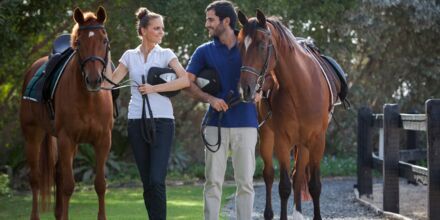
116 76
181 82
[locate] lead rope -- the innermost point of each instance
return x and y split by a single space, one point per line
148 132
231 103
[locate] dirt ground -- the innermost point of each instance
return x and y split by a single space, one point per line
413 200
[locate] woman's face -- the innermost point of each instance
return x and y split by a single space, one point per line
154 31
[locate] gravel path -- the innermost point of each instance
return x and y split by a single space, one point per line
337 202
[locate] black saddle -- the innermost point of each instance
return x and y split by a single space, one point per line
341 75
60 47
61 44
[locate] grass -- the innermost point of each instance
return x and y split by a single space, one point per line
184 202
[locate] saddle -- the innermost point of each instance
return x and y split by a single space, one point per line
40 87
59 55
331 68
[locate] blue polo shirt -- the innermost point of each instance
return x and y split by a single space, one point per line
227 63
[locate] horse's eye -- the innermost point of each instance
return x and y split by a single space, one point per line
105 41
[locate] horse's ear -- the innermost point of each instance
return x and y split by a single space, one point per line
242 18
78 16
101 14
261 18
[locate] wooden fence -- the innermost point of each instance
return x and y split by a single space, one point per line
391 161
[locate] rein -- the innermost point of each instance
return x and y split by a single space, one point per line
148 127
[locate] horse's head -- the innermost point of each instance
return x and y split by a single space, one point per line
257 54
89 39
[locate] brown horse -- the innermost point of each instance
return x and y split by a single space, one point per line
301 101
83 114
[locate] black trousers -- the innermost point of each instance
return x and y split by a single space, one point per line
152 163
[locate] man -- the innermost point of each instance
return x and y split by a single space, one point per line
239 122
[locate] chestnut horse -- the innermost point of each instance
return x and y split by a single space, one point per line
83 114
301 101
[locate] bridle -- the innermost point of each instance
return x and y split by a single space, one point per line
262 73
103 61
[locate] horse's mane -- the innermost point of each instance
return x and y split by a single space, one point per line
88 17
285 35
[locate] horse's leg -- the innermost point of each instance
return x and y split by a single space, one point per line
67 149
34 137
102 149
282 151
315 180
299 178
266 152
59 192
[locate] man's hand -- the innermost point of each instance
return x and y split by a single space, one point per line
218 104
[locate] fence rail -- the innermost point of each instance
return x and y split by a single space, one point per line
392 161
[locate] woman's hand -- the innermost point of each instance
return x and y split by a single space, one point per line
146 89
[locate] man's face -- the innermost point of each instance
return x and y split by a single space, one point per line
213 24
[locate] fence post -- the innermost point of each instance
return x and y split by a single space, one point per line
433 135
364 159
391 121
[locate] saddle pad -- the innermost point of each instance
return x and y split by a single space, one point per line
35 88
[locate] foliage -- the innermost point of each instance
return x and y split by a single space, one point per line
4 185
85 163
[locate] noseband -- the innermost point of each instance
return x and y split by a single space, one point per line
92 58
262 73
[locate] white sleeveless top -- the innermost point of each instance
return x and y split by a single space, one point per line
134 61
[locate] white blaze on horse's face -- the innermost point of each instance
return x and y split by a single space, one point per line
91 34
247 42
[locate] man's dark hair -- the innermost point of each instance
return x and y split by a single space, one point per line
223 9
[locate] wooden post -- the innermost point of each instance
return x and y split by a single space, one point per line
391 123
364 160
433 135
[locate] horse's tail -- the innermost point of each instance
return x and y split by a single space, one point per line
47 170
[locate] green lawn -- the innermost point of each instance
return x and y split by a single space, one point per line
184 202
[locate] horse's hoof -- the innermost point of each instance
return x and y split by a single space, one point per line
297 215
268 214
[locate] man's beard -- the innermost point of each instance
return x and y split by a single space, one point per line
217 31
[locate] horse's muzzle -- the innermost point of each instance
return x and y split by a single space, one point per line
247 94
93 85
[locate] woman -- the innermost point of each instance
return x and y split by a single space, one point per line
151 159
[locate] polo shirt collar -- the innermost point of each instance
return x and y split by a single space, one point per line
155 48
218 43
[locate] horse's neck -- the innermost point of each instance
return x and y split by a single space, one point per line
290 64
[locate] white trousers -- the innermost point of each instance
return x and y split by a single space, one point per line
240 144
